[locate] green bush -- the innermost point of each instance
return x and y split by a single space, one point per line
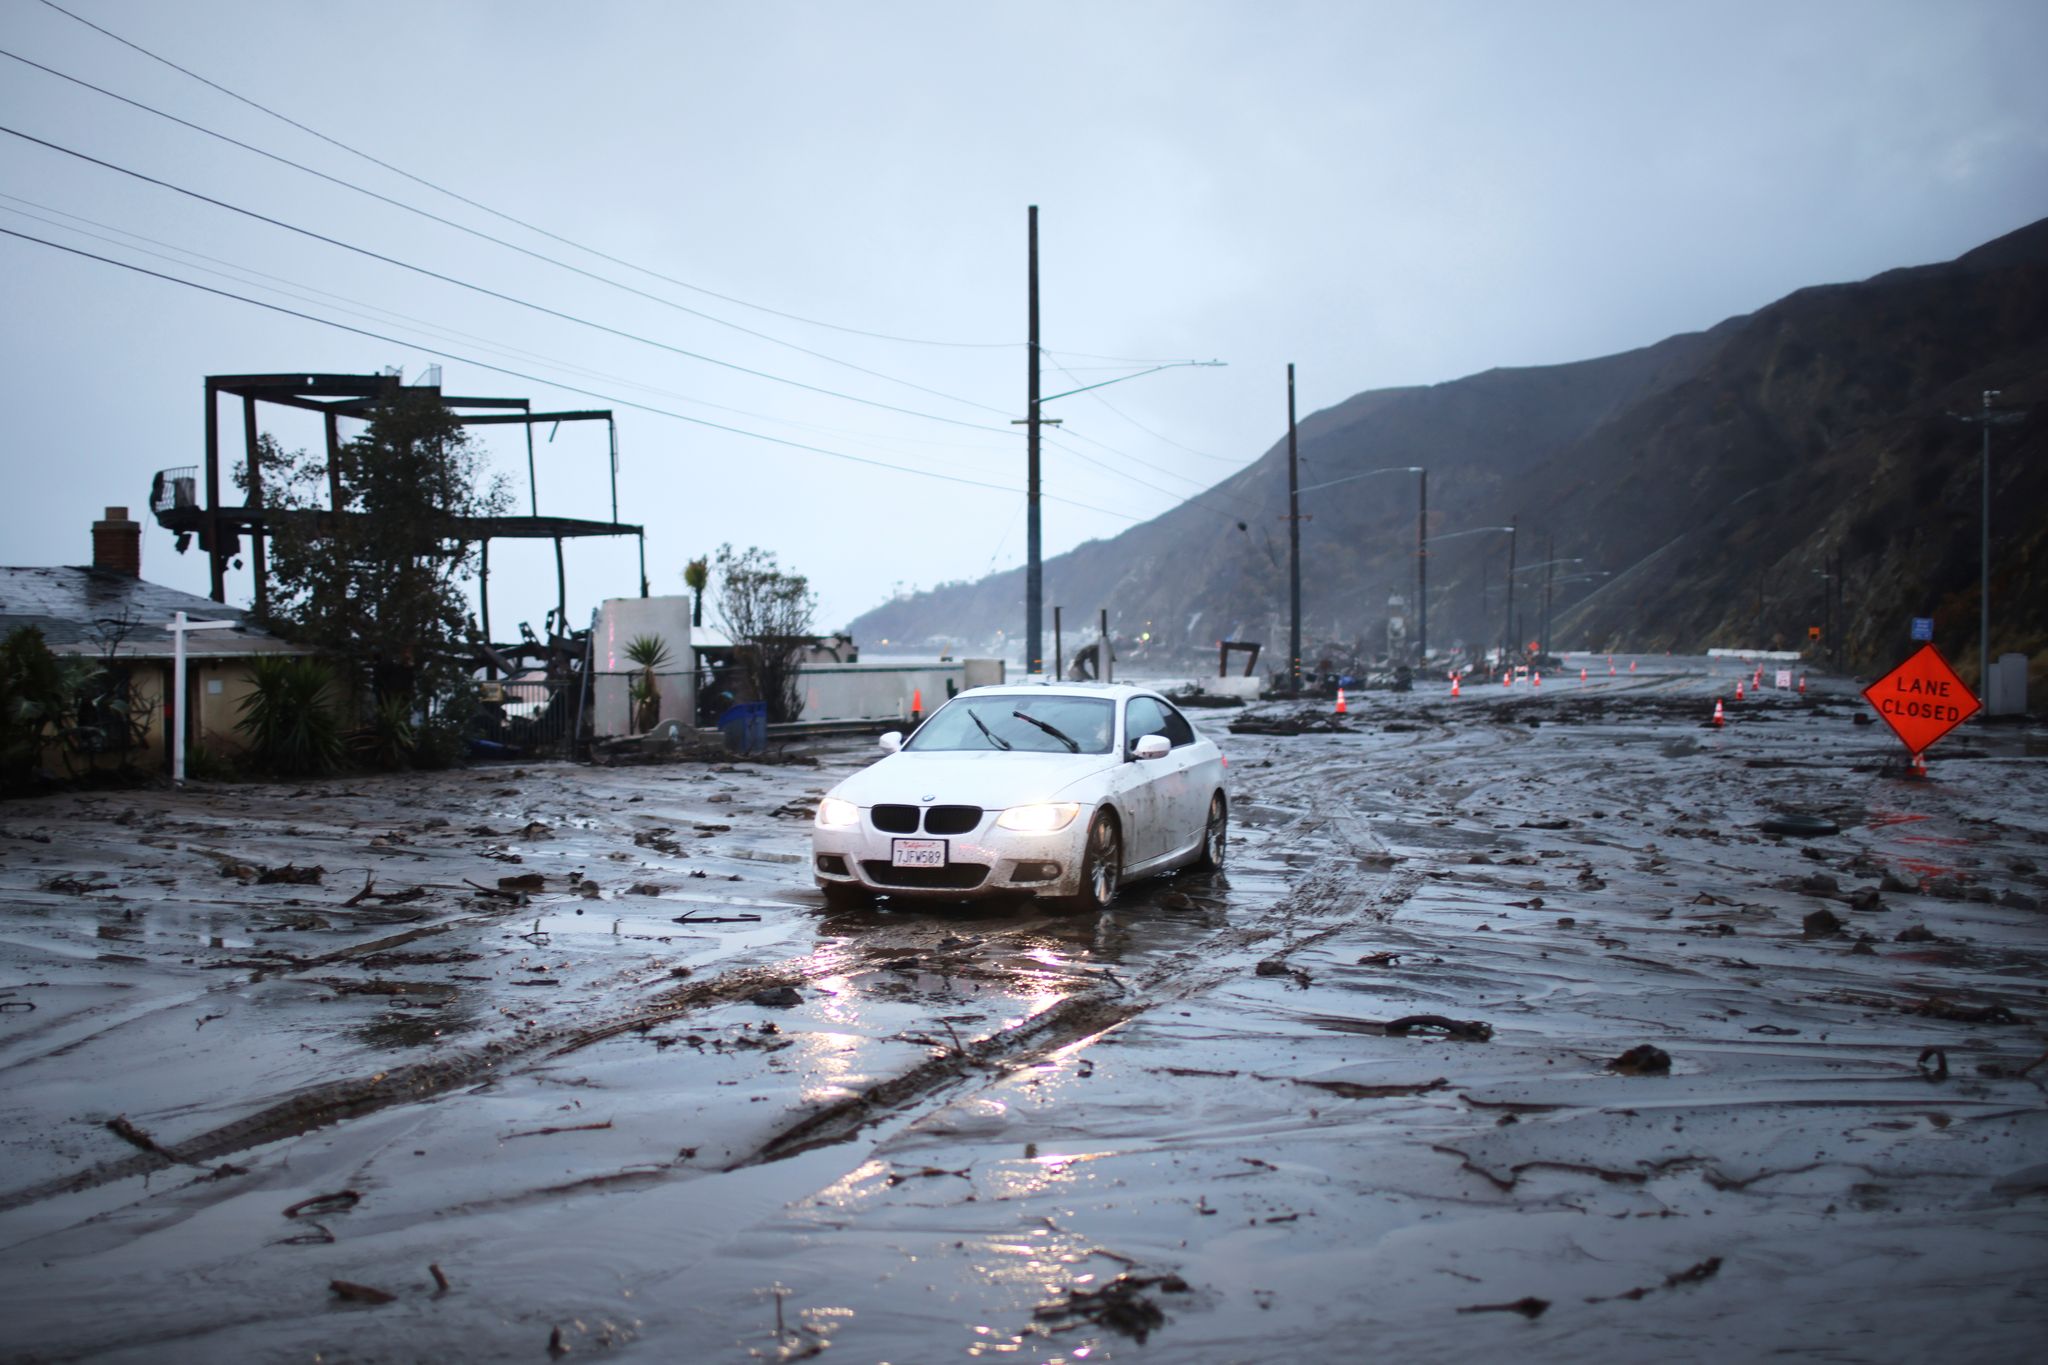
287 717
37 697
389 740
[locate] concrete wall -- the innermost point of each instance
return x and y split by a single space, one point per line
619 620
885 691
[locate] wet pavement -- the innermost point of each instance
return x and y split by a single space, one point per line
1508 1028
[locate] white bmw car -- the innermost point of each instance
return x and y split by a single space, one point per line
1059 791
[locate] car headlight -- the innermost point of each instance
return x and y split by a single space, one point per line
834 813
1039 819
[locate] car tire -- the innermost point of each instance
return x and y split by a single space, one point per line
1214 835
1102 868
846 895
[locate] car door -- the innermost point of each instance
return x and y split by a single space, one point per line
1145 796
1185 781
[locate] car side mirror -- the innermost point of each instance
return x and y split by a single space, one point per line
1151 746
892 741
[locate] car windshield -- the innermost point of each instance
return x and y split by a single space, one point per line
1024 721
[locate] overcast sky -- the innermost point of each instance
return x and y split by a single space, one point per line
1383 194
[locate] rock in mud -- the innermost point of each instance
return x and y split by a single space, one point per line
777 997
1642 1060
1822 923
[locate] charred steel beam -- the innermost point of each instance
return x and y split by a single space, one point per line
234 521
595 415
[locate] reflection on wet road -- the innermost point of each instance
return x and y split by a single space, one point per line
1365 1084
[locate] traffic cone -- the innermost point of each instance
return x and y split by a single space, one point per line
1738 689
1340 701
1582 677
1718 718
916 705
1631 665
1802 684
1610 665
1454 684
1507 679
1536 680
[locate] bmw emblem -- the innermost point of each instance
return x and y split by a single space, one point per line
931 796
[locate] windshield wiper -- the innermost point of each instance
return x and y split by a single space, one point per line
1052 730
992 737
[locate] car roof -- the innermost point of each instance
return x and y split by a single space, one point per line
1113 691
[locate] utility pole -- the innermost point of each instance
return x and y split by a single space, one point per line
1508 632
1034 572
1984 559
1987 419
1549 571
1422 576
1293 544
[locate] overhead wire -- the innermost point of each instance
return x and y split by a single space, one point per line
278 284
498 241
492 293
507 217
537 379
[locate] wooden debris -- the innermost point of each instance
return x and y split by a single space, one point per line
359 1293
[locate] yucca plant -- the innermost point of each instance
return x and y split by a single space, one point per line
650 652
287 717
390 740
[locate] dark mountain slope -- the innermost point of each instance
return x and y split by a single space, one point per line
1712 474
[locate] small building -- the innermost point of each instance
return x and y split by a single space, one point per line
107 611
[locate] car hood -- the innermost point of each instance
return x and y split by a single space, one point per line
985 778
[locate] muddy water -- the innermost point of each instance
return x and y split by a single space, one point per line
991 1132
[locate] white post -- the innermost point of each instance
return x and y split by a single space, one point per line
176 737
178 625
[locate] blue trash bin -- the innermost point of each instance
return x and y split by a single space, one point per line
745 727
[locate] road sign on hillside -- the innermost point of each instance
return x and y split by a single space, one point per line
1922 699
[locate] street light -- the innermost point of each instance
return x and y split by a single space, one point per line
1549 582
1543 631
1478 531
1421 555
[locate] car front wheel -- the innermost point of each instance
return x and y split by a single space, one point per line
1210 859
1102 867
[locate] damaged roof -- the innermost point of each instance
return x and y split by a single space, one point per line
79 609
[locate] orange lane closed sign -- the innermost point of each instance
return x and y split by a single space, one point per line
1922 699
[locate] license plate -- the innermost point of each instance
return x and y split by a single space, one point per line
917 853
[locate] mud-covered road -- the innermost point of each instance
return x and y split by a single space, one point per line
1509 1028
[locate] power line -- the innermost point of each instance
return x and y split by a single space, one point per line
520 222
493 293
260 279
536 379
498 241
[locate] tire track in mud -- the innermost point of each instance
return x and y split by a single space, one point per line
338 1101
1325 899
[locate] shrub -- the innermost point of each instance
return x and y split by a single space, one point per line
287 717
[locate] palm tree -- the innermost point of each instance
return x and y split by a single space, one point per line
696 574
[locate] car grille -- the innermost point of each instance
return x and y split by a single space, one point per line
895 819
952 877
951 819
937 820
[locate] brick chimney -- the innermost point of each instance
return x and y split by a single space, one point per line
117 543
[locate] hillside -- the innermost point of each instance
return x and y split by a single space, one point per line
1712 475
